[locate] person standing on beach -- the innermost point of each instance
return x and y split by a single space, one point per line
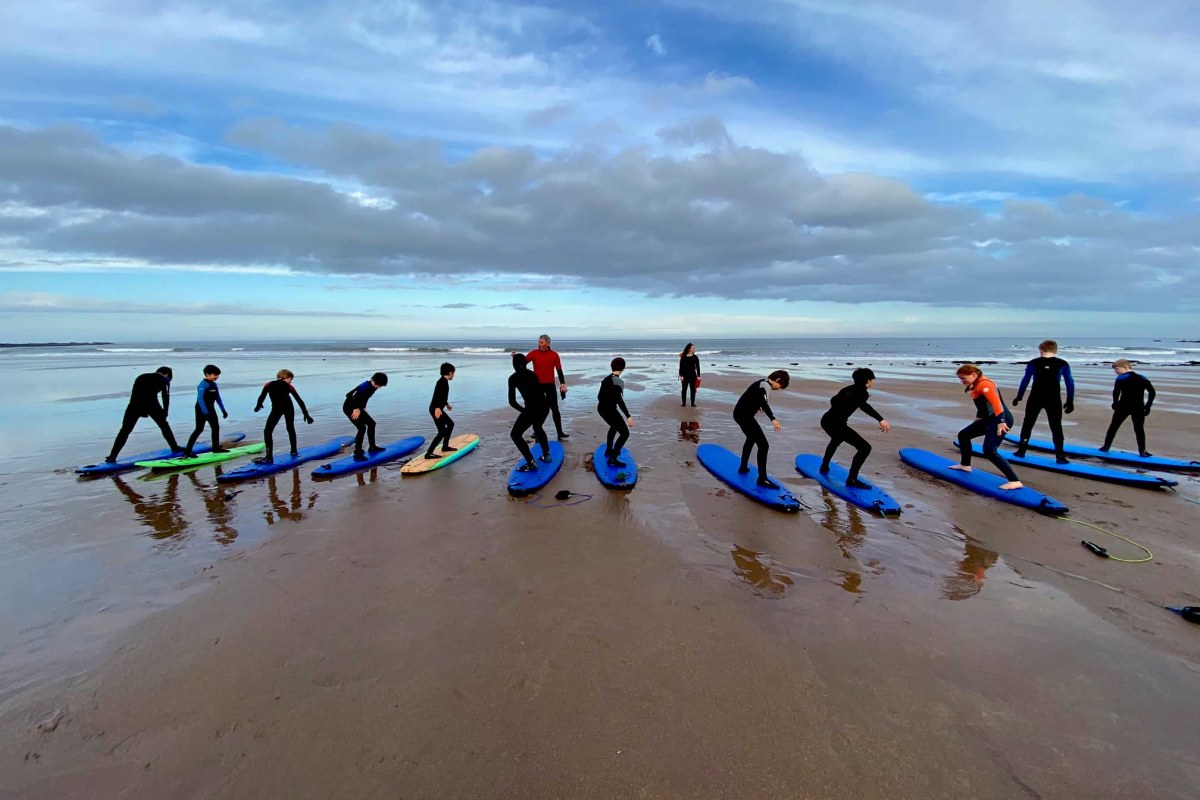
438 406
1046 370
143 402
281 391
992 420
355 409
1130 400
545 363
836 421
208 399
611 407
753 400
689 373
532 414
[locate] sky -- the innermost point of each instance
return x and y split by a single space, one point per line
359 169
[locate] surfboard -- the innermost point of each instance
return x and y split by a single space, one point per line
615 477
131 462
1115 456
419 465
205 458
873 499
390 452
287 461
724 465
1083 470
523 483
984 483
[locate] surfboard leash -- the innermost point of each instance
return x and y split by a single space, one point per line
567 501
1103 552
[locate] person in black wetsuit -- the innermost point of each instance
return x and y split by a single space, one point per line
143 402
438 406
532 414
208 398
355 409
281 391
748 405
836 421
611 407
689 373
1046 370
1130 400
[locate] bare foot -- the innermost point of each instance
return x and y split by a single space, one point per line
961 467
1008 487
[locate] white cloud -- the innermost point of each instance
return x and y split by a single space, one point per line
656 46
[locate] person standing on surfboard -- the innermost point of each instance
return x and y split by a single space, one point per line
689 373
143 402
611 407
281 391
753 400
836 421
208 398
992 420
532 414
1129 400
1046 370
438 406
545 363
355 409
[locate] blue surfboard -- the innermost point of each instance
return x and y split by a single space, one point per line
286 461
523 483
1115 456
130 462
390 452
615 477
724 464
1083 470
984 483
873 499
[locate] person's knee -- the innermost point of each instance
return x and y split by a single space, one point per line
865 449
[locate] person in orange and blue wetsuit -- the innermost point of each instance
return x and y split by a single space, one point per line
992 420
1046 371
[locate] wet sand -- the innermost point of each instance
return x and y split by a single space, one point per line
431 637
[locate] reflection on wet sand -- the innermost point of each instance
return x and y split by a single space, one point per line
688 432
293 510
967 581
219 504
162 515
368 476
761 575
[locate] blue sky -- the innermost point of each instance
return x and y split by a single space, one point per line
469 169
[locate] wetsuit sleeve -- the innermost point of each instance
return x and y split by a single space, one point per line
217 397
682 361
993 399
166 396
1069 381
200 398
766 407
512 395
869 411
1117 391
299 399
621 402
696 363
1029 373
558 365
1150 395
263 395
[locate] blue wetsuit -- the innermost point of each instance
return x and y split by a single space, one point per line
357 398
208 399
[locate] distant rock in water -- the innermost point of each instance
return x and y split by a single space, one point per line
982 362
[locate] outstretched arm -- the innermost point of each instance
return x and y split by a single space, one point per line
262 396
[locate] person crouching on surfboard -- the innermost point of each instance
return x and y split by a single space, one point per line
355 408
753 400
438 406
992 419
281 393
611 398
143 402
836 424
208 398
532 414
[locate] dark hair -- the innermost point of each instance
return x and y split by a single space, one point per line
212 369
862 375
781 377
165 372
379 379
518 361
617 364
686 347
447 368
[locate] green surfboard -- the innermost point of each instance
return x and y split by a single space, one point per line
204 458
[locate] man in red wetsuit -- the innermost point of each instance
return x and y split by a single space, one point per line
545 363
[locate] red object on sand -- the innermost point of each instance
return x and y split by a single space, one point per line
697 383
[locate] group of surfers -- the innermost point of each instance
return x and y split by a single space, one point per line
540 388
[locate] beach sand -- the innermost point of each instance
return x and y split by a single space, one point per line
431 637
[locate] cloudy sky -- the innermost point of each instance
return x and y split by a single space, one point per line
465 169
